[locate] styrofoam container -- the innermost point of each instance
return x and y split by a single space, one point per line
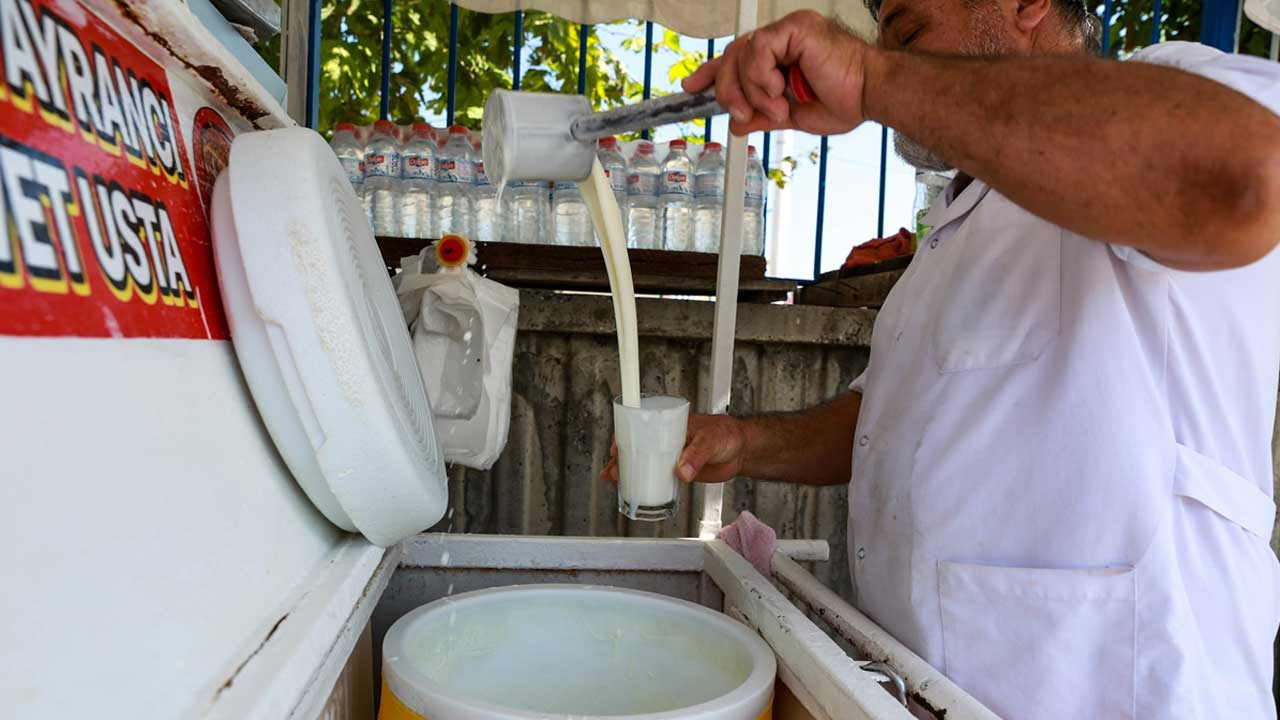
554 652
320 338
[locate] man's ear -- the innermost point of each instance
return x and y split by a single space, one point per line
1029 14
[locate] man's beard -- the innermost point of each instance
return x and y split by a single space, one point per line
987 38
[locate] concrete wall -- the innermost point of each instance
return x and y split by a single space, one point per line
566 374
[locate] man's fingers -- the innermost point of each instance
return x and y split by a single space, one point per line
703 77
773 107
758 123
728 89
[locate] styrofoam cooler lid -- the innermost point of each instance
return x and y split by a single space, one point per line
321 339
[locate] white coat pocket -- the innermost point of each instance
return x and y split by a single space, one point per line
1002 291
1006 629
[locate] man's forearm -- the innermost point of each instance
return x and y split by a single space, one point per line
1178 166
813 447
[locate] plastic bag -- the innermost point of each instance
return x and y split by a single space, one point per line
464 329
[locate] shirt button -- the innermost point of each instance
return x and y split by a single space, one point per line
933 243
862 552
862 441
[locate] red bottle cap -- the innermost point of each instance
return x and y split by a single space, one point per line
679 143
452 250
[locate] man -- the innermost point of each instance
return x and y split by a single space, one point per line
1060 450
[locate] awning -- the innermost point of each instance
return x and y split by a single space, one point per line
704 18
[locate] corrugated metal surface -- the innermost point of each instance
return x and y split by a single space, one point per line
566 374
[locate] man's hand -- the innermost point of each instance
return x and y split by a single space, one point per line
813 447
713 452
750 85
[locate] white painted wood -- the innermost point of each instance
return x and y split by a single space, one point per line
525 552
293 672
870 639
1275 47
726 314
517 552
353 694
187 43
816 667
151 524
805 550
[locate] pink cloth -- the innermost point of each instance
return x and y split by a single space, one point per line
753 540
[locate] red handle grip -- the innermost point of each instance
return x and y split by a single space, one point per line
798 89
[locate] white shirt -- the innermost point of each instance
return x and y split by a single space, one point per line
1062 472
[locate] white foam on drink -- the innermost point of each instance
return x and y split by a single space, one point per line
607 217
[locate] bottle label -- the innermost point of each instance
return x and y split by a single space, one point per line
675 183
638 184
527 184
478 172
354 168
707 185
382 165
617 181
418 167
449 170
755 187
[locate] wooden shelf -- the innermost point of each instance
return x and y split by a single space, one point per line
556 267
865 286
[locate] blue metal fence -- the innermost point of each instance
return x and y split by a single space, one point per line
1219 26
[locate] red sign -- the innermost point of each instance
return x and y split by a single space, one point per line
106 236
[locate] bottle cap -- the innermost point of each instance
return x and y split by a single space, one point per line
751 151
712 147
452 250
609 143
457 130
644 147
344 127
421 129
679 143
385 126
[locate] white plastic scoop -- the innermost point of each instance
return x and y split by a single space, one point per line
549 136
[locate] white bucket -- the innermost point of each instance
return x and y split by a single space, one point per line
546 652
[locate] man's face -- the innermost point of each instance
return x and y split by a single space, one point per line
946 27
942 27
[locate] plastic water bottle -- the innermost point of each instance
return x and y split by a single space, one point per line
753 206
675 199
527 212
642 199
615 167
453 184
351 154
382 178
570 218
484 199
708 199
417 189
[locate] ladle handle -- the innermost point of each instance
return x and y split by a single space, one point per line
680 107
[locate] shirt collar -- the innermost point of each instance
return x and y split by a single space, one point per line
955 203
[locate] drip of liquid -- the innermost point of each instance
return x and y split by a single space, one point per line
607 218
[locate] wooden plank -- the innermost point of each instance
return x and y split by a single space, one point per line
858 291
554 267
